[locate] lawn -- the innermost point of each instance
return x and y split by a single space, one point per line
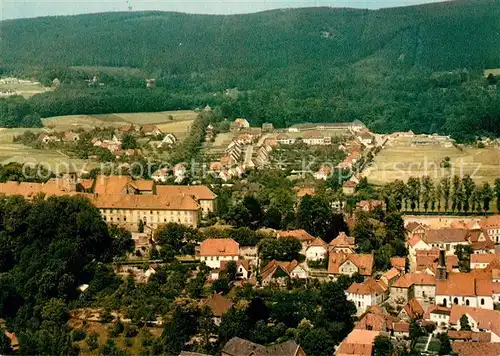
399 159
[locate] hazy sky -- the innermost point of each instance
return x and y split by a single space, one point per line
31 8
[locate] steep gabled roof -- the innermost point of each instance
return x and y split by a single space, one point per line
218 304
364 262
219 247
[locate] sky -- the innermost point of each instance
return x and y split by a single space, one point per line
10 9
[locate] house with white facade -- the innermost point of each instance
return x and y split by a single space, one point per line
349 264
214 251
482 260
317 250
366 294
342 244
491 225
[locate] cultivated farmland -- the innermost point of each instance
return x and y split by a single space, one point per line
176 122
401 159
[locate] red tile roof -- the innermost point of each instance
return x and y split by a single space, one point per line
342 240
364 262
301 235
409 279
476 348
367 287
218 304
414 309
445 235
486 319
464 284
219 247
469 335
143 202
398 262
358 342
199 192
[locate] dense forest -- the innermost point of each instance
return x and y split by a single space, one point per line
418 68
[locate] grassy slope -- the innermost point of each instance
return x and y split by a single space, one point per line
441 36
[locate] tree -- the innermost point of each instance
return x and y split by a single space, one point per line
234 322
314 215
285 249
464 323
382 346
468 188
486 196
231 270
317 341
445 344
456 198
238 216
497 192
446 188
221 285
140 226
254 209
438 193
463 253
427 191
413 190
121 240
129 142
180 326
176 239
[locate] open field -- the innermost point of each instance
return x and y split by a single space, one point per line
25 89
54 160
86 122
112 70
494 71
179 125
399 159
221 142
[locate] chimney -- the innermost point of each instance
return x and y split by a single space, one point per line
441 268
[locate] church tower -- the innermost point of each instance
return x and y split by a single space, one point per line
441 268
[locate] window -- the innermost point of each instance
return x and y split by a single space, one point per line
151 211
455 301
482 301
124 218
467 302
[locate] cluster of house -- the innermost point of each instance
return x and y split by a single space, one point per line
114 145
340 252
67 137
124 201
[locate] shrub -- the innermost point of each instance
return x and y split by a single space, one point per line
93 340
78 335
116 329
131 331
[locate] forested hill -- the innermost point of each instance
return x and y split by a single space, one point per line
440 36
418 68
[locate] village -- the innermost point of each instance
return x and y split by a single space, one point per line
436 285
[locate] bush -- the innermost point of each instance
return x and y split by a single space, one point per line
93 340
78 335
116 329
131 331
129 342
